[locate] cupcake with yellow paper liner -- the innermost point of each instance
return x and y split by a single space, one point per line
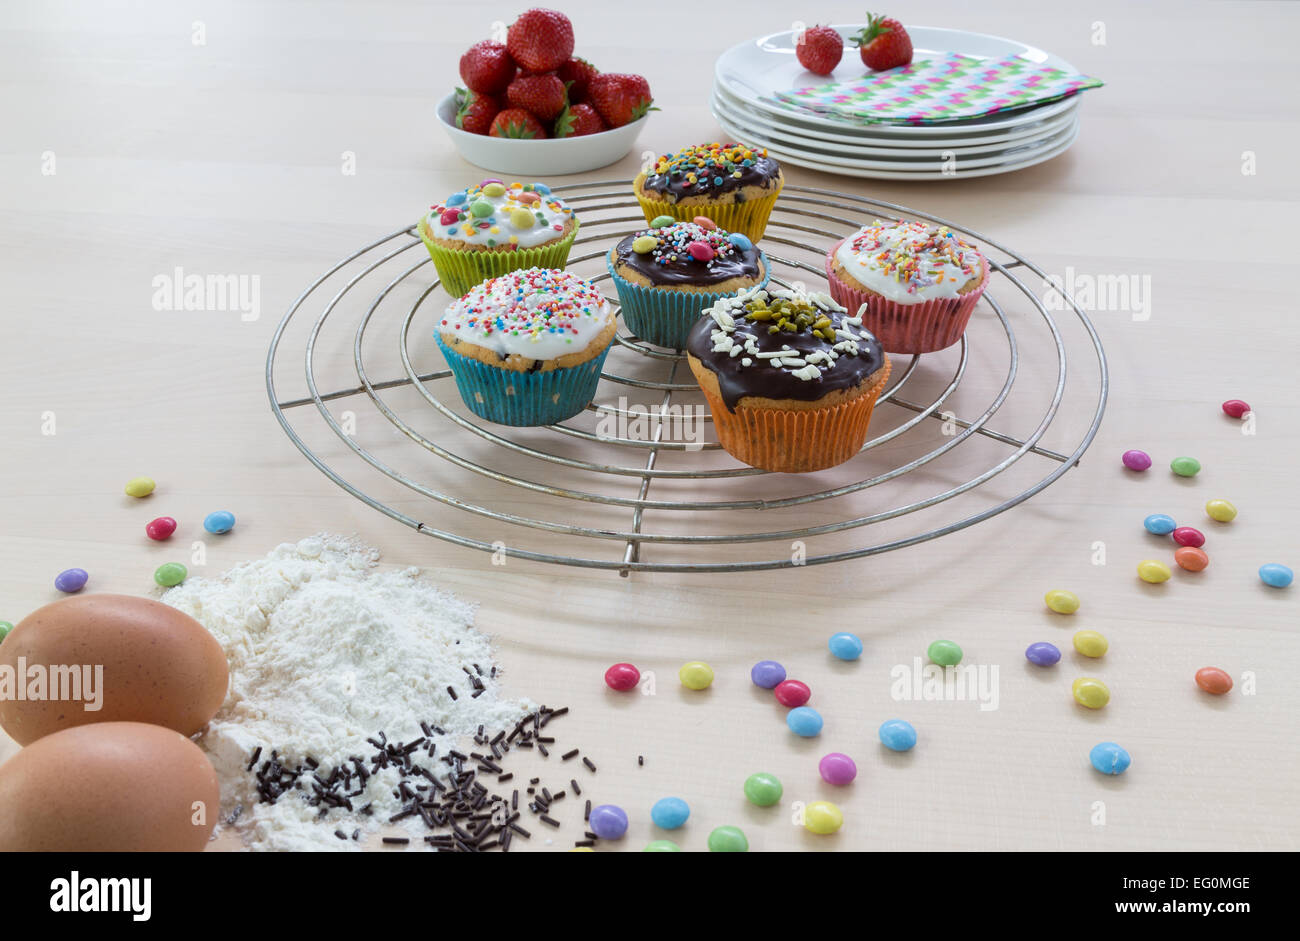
734 185
791 378
493 228
665 275
527 347
914 283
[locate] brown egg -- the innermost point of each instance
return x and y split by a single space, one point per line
109 658
108 787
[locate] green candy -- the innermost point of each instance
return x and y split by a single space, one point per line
728 840
1185 466
658 222
763 789
944 652
661 846
5 628
170 574
481 209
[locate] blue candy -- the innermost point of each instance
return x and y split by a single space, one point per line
845 646
767 673
455 199
669 813
222 521
542 188
740 241
1042 653
897 735
1159 524
71 580
804 722
1109 758
608 821
1275 575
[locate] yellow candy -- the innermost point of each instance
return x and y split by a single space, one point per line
1091 693
1090 643
822 817
494 189
645 244
1153 571
696 675
1062 602
140 486
1221 511
522 219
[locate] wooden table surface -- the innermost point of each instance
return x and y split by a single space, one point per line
129 151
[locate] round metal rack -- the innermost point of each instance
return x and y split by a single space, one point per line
574 471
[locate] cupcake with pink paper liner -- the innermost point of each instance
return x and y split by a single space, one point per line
914 284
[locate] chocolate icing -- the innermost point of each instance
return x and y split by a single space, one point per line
672 186
762 379
683 269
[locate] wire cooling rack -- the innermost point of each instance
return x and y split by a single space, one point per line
637 482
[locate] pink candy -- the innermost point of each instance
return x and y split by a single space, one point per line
705 223
1188 536
700 251
449 216
1136 460
1235 407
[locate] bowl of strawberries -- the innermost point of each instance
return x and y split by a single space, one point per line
530 106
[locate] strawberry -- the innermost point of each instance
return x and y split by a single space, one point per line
820 50
540 40
579 120
620 98
884 44
518 123
543 95
577 74
474 112
487 68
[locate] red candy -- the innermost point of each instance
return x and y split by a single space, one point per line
700 251
792 693
1235 407
449 216
161 528
1189 536
622 677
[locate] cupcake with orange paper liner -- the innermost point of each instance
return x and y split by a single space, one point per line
734 185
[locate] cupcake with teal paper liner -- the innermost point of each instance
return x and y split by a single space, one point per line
496 227
527 347
668 274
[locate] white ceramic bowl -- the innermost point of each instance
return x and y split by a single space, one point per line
539 157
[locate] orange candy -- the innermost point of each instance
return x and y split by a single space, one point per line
1213 680
1192 559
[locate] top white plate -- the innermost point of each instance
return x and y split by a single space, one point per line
757 68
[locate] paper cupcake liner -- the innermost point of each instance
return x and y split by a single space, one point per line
664 316
508 397
796 441
748 218
461 269
908 328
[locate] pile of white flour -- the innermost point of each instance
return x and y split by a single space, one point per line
325 651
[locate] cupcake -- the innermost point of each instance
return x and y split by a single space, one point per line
914 284
666 275
734 185
791 378
526 347
493 228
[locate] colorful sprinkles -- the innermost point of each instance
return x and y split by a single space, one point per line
915 255
528 306
707 166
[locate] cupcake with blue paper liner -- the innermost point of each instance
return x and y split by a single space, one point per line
527 347
668 274
734 185
492 228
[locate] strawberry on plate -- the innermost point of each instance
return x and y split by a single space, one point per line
884 44
577 74
578 121
619 97
542 94
820 50
475 112
517 123
540 40
487 68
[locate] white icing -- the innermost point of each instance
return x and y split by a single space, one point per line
547 217
909 262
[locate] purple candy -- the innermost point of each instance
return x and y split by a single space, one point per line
608 821
837 769
767 673
71 580
1137 460
1042 653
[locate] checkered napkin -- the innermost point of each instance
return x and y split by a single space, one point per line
953 87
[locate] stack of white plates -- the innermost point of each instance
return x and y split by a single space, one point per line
748 75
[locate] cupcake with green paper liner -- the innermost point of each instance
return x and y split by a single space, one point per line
492 228
734 185
668 274
527 347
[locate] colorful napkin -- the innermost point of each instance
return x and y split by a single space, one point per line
953 87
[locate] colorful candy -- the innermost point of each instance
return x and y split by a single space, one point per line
767 673
1153 571
1042 654
607 821
763 789
1109 758
700 251
160 528
741 242
1158 524
1275 575
696 675
1236 408
845 646
219 522
661 846
1185 466
792 693
704 222
140 487
481 209
1213 680
804 721
71 580
644 244
822 817
524 219
170 574
837 769
658 222
1191 558
897 735
1061 601
1221 511
495 188
5 628
1090 692
622 677
1091 643
944 652
1188 536
728 840
1136 460
669 813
